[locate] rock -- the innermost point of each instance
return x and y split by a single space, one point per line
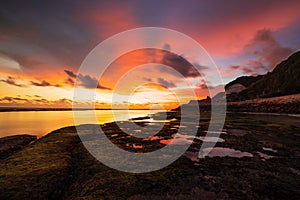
11 144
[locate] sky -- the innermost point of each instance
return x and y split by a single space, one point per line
43 44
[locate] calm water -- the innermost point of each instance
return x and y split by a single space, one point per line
42 122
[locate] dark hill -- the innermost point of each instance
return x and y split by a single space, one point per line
283 80
245 80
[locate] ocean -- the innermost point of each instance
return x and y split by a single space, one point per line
40 123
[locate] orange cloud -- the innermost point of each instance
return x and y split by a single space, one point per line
126 62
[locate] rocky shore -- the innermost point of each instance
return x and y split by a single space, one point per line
12 144
289 104
258 160
283 104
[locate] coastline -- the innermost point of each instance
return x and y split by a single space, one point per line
18 109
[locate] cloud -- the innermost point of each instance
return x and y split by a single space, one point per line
147 79
205 85
84 80
71 78
168 84
87 81
32 39
180 64
70 81
70 73
64 101
261 54
39 102
8 63
234 67
167 47
44 101
267 49
254 66
39 36
12 81
13 99
43 84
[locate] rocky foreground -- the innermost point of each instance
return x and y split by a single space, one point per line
11 144
264 165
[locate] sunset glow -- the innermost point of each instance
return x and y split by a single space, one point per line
40 55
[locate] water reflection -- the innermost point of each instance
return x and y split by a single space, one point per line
217 152
265 156
269 149
42 122
188 139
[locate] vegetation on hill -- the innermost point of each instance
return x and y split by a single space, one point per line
245 81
